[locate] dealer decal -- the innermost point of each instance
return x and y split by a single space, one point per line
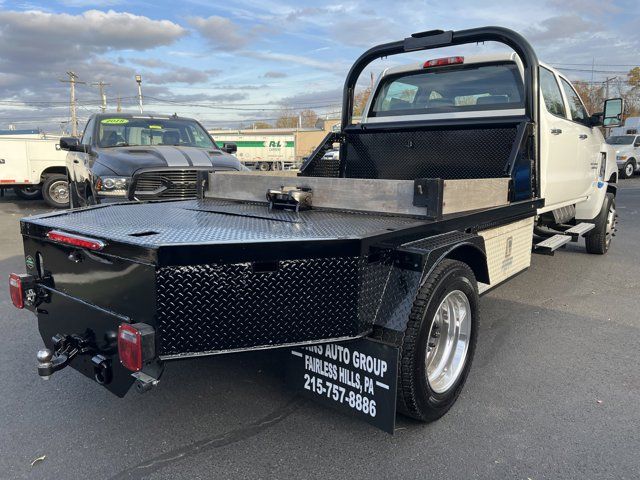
30 262
114 121
357 377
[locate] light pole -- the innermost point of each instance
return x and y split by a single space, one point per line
139 82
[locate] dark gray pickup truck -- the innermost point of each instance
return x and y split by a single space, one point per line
142 157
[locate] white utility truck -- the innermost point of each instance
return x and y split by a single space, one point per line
33 164
627 152
261 152
367 265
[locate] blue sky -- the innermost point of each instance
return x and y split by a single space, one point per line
231 62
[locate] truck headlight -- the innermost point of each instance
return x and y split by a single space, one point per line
112 186
621 157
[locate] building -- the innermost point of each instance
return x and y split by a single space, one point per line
306 140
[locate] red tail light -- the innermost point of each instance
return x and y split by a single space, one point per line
136 345
15 288
75 240
440 62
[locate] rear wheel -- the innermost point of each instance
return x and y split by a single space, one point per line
628 169
598 240
264 167
55 191
439 342
28 192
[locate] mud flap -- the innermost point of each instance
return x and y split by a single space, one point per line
357 377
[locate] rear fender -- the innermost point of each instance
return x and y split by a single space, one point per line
414 262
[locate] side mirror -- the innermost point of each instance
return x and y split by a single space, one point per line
595 120
230 147
70 144
613 109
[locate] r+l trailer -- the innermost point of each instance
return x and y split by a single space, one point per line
367 268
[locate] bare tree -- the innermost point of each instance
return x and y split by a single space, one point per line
360 100
287 118
259 125
591 94
308 118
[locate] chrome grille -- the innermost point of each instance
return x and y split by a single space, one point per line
167 184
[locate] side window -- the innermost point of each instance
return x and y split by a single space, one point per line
637 142
551 93
578 112
87 136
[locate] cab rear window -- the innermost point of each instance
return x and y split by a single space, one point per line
459 88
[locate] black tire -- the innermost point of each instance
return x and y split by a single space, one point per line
264 166
416 398
628 170
598 240
50 189
28 192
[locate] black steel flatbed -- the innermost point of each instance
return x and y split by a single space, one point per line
225 231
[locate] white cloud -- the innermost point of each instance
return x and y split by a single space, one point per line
220 32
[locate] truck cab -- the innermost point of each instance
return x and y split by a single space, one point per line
577 167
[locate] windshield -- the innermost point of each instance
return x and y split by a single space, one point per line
129 132
450 89
621 140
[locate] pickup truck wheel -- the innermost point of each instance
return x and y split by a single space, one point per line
55 191
439 342
599 239
628 169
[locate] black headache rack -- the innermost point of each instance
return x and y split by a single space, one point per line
216 275
490 147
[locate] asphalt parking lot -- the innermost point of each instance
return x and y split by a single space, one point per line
554 393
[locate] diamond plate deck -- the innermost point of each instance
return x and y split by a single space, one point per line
211 221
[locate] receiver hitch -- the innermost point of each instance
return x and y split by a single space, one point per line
65 349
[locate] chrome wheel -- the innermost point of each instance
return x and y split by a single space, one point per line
59 191
628 170
448 341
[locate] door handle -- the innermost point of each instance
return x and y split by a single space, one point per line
583 136
76 161
556 131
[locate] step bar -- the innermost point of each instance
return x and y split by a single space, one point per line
551 244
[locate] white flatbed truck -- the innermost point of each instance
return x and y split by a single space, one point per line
365 269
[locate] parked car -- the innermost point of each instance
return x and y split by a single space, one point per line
142 157
333 154
627 153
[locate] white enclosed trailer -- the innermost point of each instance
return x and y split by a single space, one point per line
262 152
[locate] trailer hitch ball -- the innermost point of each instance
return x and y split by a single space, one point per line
45 365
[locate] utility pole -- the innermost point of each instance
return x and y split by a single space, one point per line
139 82
103 96
606 84
73 80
